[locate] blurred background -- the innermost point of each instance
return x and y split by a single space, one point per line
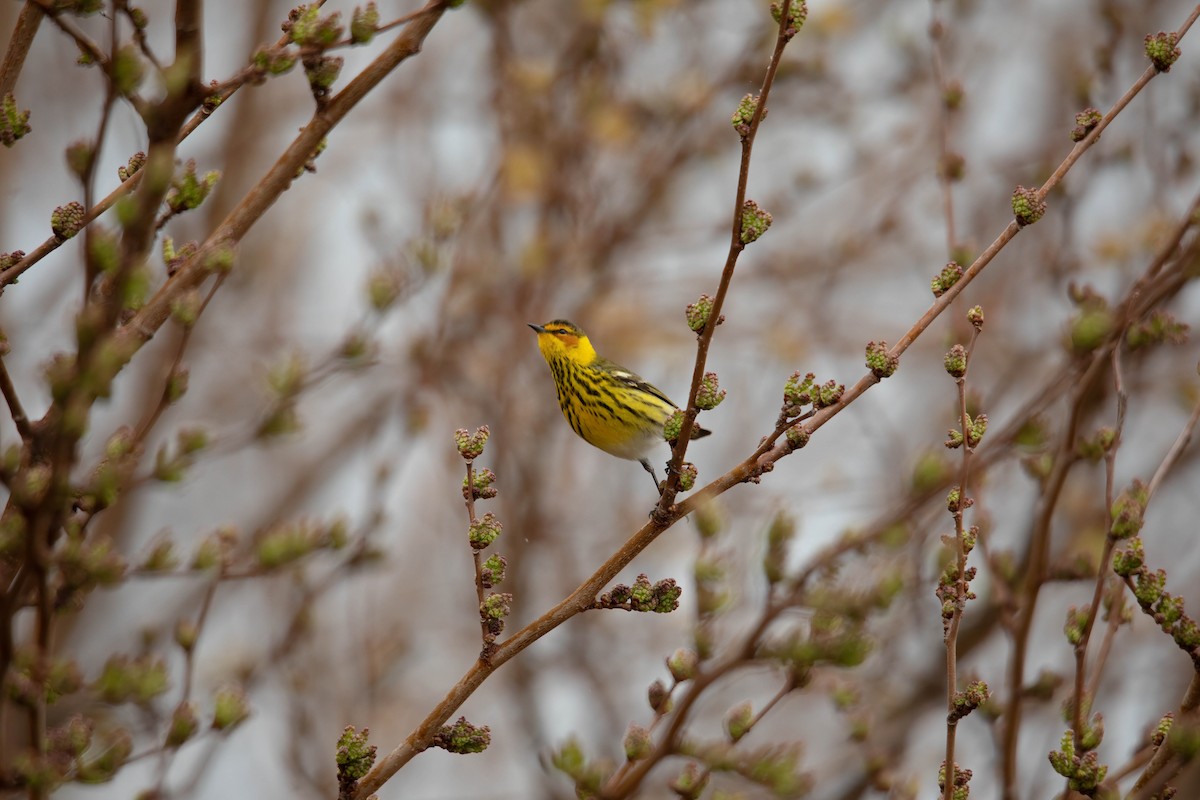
543 160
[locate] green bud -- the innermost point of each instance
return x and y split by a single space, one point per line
1128 510
138 680
322 73
956 361
470 446
230 708
637 743
496 605
659 697
673 426
482 532
950 275
79 157
273 62
1028 206
683 664
483 488
755 222
186 633
828 394
1085 122
710 393
797 437
698 313
14 123
1162 51
1089 329
743 115
127 70
462 737
177 385
355 756
738 721
363 24
161 557
880 360
687 476
1077 621
1129 561
797 13
185 309
72 738
691 783
183 725
492 571
779 538
68 220
283 545
135 163
189 190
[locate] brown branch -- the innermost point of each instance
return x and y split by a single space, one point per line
961 586
945 179
1180 444
219 93
736 245
24 429
26 29
263 195
476 558
84 41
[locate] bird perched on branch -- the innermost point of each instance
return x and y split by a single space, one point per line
609 406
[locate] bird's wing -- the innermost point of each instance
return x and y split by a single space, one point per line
635 381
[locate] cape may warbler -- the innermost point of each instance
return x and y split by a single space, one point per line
606 404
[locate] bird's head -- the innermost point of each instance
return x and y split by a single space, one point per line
560 339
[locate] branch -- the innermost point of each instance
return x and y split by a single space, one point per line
262 196
736 245
18 46
14 405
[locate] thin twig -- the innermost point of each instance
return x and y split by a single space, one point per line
736 245
1177 448
961 586
945 155
20 420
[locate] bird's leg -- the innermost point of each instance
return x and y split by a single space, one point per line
645 463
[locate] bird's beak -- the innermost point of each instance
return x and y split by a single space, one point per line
536 328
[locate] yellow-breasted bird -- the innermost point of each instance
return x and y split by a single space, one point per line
609 406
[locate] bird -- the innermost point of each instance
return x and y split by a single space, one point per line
609 406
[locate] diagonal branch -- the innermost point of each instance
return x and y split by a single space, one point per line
262 196
18 46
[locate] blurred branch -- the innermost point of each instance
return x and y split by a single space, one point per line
949 163
217 95
278 179
1177 448
18 46
24 429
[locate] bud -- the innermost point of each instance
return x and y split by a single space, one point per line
1161 50
1027 205
755 222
